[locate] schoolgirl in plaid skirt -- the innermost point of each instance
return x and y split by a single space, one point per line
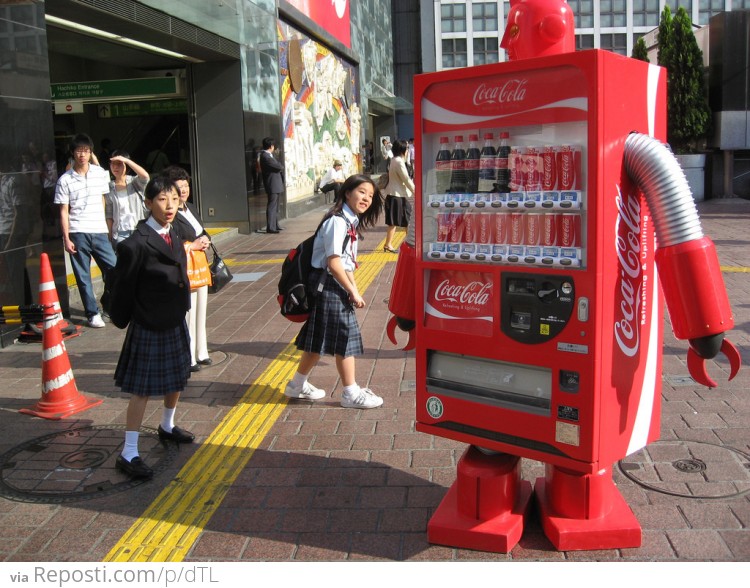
150 296
332 328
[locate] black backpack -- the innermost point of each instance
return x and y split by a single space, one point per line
296 296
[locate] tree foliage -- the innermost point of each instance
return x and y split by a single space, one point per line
688 113
640 51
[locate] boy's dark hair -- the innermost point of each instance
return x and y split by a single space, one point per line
158 184
370 217
398 148
176 173
79 141
269 142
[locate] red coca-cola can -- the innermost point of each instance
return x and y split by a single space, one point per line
484 228
550 223
443 227
549 168
516 228
456 232
470 228
533 229
569 230
501 224
568 167
515 168
532 169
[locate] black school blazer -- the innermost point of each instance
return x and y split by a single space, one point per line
149 282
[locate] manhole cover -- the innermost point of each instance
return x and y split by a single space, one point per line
77 464
689 469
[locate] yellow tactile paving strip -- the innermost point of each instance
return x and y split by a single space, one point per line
171 524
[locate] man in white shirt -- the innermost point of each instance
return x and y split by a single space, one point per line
80 192
332 180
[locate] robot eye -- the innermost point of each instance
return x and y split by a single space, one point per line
514 30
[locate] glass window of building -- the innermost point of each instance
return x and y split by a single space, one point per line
484 16
583 10
485 50
646 13
740 4
454 53
453 18
615 42
613 13
708 8
584 42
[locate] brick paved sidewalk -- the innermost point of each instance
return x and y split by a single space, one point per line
331 484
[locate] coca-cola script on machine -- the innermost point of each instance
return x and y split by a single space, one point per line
536 336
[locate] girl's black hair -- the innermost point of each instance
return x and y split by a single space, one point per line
370 217
158 184
121 153
398 147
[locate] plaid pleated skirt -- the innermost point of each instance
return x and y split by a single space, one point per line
154 363
332 328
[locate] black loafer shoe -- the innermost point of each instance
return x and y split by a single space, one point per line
177 435
207 361
272 232
135 468
195 368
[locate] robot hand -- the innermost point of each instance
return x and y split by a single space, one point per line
401 302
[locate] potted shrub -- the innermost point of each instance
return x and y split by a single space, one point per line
688 113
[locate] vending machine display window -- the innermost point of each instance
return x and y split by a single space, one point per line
488 381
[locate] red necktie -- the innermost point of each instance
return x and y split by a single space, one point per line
168 239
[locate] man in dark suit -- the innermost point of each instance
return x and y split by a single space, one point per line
273 181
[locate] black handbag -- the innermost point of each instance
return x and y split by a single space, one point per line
220 274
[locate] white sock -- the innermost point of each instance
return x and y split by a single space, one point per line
130 449
167 419
299 380
352 390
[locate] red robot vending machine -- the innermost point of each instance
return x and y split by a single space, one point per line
538 314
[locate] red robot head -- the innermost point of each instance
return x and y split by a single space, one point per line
537 28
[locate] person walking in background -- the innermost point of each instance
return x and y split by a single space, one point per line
399 192
188 226
386 150
150 297
332 327
80 192
332 180
124 206
272 173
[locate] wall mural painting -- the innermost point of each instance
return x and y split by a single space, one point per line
320 111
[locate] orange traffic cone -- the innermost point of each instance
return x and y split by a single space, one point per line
60 395
33 333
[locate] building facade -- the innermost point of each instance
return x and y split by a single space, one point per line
197 83
468 32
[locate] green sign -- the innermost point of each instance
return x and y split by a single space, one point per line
114 89
155 107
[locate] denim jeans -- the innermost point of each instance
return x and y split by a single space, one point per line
90 245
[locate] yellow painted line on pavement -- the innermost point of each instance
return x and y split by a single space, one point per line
169 527
733 269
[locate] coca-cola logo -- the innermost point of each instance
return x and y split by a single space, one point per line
509 91
628 247
472 293
549 169
566 169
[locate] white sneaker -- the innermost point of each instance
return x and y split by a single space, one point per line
96 322
365 398
306 392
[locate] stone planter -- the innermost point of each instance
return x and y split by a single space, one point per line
694 166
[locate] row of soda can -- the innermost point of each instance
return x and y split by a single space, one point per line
553 199
548 229
551 167
521 254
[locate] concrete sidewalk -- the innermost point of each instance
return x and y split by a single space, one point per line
271 480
